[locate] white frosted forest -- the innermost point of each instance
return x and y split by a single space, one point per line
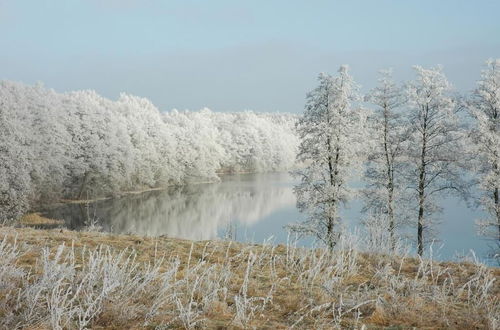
81 145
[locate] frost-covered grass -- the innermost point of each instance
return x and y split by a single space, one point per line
64 279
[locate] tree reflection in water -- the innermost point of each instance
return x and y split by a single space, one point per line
198 212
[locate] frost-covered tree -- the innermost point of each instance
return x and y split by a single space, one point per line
199 154
48 140
15 179
485 109
435 146
153 156
97 164
332 137
386 158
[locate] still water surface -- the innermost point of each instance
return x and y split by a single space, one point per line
244 207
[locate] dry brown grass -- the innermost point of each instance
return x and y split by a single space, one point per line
36 219
397 294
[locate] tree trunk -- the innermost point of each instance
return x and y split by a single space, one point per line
390 182
84 185
421 188
332 168
390 214
495 170
496 196
331 217
330 241
420 229
497 209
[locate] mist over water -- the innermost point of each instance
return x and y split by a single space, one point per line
248 208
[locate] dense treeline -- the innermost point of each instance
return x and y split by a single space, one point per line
82 145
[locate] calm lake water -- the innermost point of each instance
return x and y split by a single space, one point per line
244 207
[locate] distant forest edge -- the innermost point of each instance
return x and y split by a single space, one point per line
80 145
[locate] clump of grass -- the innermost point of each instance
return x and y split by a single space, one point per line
54 279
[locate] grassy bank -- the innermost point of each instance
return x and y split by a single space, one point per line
60 278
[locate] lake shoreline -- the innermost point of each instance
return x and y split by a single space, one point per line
145 190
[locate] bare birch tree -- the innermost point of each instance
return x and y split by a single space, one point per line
384 183
332 139
435 145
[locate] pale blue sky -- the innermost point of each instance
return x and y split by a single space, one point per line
236 55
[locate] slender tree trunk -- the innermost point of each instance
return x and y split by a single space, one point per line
421 189
497 208
84 185
390 182
496 196
329 227
420 229
332 168
392 225
331 217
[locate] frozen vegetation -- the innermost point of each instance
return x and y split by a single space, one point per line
80 145
93 280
